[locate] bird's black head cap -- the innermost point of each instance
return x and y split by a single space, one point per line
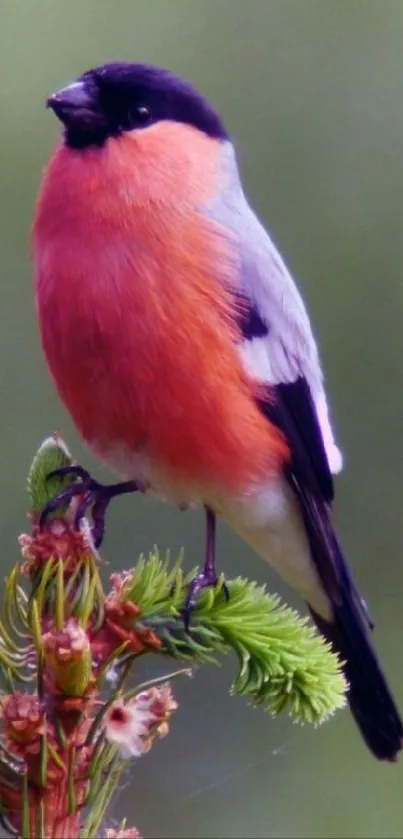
113 98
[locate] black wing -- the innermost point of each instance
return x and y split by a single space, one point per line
290 407
294 411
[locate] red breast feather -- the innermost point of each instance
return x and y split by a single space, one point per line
136 323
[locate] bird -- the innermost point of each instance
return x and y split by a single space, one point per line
182 349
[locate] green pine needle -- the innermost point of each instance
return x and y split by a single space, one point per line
284 664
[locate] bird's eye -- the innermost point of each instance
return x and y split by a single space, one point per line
139 114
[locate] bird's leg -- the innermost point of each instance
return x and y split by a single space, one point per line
208 576
95 496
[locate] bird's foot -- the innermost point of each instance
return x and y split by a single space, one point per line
92 496
208 576
206 579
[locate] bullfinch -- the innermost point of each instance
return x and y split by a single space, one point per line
183 351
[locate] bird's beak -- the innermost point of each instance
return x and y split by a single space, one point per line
74 105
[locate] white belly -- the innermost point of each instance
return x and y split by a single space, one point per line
271 523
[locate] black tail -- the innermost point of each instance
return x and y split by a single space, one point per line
370 699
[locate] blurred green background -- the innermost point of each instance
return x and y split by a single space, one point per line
312 91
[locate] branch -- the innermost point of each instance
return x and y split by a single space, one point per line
67 727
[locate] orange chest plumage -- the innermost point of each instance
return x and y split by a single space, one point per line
136 322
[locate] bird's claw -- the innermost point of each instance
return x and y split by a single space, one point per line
206 579
75 471
94 496
85 486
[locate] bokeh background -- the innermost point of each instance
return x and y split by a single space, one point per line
313 93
